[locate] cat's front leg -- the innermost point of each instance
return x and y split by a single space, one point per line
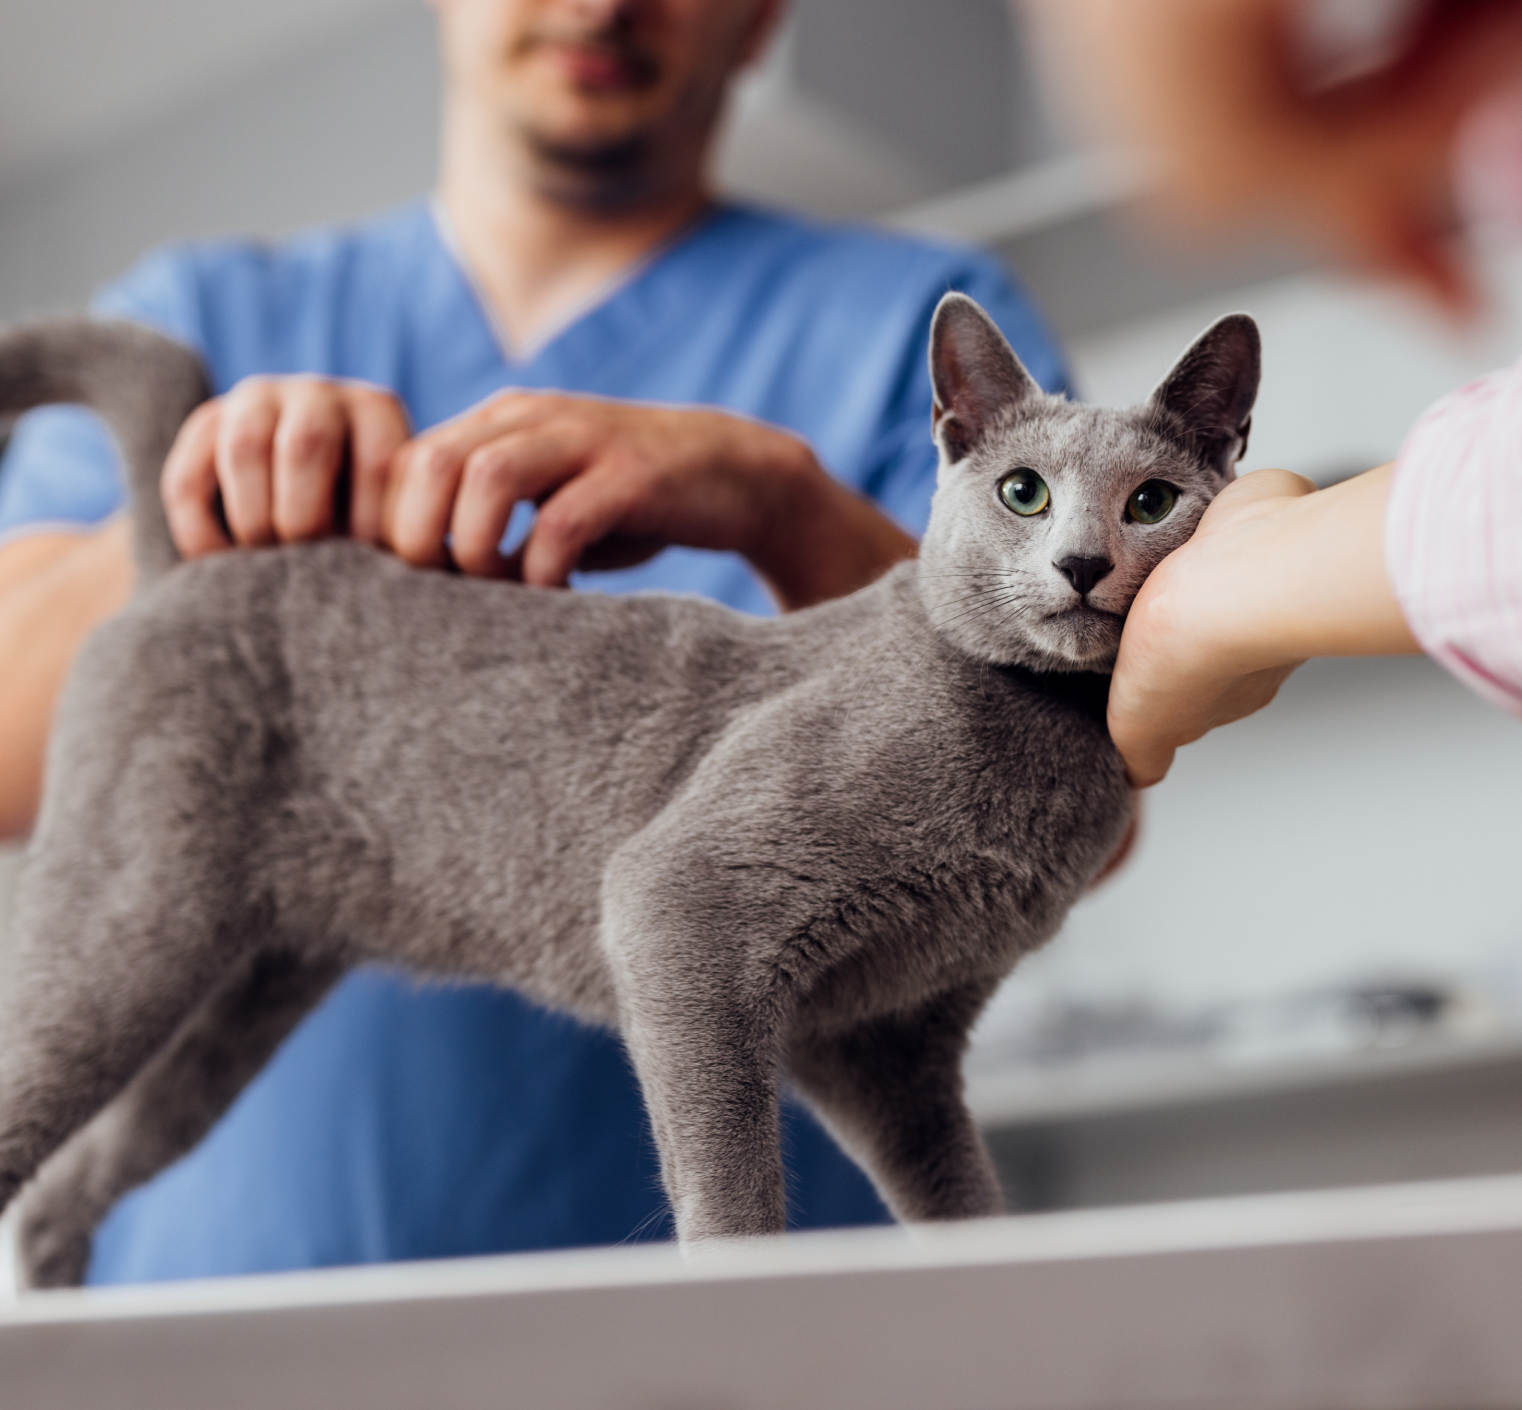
704 1041
890 1091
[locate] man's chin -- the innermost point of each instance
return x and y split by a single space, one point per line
602 166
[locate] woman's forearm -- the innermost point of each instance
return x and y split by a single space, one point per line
54 590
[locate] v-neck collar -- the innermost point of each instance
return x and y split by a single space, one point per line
582 314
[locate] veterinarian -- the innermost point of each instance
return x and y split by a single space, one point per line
1364 155
732 401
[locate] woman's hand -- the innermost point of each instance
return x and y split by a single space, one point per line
1276 572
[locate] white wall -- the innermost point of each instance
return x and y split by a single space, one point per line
344 126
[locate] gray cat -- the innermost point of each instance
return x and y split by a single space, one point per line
812 845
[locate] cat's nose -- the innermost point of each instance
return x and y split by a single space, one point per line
1083 573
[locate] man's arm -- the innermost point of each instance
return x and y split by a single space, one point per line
54 590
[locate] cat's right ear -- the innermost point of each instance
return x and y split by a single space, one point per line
1208 396
974 373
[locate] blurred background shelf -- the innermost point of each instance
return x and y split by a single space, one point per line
1191 1130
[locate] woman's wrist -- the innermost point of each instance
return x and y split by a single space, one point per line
1316 570
1279 572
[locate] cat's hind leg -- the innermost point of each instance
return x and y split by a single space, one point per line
83 1006
136 901
164 1111
890 1091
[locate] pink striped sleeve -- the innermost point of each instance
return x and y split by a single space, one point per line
1453 535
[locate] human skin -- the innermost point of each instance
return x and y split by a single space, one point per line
1277 572
573 143
54 590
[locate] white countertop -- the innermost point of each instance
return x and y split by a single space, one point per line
1394 1297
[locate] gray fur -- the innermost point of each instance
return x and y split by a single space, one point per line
808 846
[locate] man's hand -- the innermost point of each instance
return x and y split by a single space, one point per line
278 455
1276 572
615 482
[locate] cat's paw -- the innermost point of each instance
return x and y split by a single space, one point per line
52 1244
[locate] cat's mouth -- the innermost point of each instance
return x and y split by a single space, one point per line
1085 612
1084 636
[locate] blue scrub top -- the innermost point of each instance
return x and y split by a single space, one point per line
405 1121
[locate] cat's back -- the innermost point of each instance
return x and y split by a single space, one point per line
462 651
331 608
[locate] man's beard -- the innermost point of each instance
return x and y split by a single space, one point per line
605 171
608 175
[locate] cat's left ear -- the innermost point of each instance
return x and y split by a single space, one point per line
974 373
1209 394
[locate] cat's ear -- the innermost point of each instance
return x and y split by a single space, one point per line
1209 394
974 373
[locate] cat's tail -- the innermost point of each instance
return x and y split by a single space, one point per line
141 383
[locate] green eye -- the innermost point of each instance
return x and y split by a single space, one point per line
1151 502
1025 492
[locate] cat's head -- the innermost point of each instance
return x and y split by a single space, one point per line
1049 514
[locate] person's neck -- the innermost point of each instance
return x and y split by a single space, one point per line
536 258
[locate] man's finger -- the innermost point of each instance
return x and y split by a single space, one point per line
428 475
310 438
244 454
513 410
520 466
377 430
421 505
588 509
189 485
